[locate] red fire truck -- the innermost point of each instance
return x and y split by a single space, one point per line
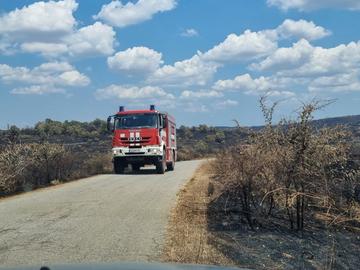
143 137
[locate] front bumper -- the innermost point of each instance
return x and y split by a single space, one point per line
144 151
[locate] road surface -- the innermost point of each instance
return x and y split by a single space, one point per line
105 218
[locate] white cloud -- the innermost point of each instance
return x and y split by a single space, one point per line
40 17
280 94
244 83
73 78
195 108
50 73
305 60
305 5
278 86
191 32
227 103
187 94
37 90
95 39
285 58
47 49
52 76
136 59
132 92
193 71
302 67
52 67
49 29
121 15
301 29
248 45
338 83
255 45
327 62
200 69
98 38
272 86
6 47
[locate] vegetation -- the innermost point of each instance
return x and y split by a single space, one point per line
293 171
199 232
85 146
193 142
29 166
286 197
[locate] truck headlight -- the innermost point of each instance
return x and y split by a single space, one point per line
155 151
117 151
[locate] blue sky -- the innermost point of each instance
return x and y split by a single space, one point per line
204 61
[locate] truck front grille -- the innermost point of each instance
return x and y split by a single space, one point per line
135 153
143 140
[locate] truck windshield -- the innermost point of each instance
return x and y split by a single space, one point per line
136 121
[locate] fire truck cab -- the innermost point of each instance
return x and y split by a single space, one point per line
143 137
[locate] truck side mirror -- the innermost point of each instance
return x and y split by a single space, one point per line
110 124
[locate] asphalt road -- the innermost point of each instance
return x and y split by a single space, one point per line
106 218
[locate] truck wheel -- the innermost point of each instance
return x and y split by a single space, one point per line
119 167
171 166
161 165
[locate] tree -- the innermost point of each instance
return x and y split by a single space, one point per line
220 137
13 134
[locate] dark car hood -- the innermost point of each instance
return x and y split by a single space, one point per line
125 266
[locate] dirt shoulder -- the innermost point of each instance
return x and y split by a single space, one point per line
188 240
200 233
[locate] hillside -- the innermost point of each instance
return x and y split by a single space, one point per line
351 121
193 142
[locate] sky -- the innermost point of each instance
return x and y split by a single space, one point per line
203 61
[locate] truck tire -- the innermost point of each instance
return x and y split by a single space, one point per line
119 167
161 165
171 166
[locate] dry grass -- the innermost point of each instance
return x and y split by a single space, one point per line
188 240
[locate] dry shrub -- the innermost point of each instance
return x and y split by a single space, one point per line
28 166
13 163
185 153
98 164
292 171
46 163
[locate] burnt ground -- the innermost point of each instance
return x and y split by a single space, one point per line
280 248
200 232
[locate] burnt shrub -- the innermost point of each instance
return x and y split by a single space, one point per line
293 171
